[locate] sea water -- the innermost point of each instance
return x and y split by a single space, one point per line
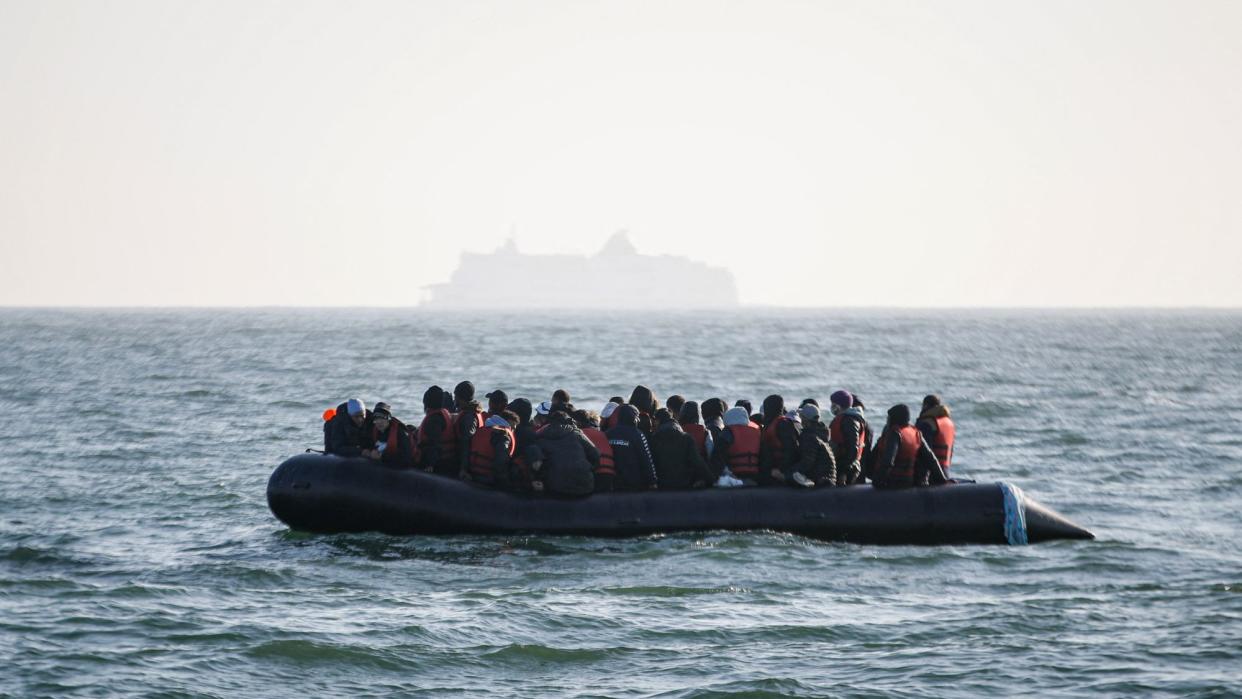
138 556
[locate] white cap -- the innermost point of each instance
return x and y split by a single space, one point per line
609 409
544 408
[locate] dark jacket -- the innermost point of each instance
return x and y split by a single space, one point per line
631 453
504 470
787 433
344 438
569 459
644 400
926 467
677 461
403 455
467 425
431 457
844 451
815 459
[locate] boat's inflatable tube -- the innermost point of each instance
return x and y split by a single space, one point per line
319 493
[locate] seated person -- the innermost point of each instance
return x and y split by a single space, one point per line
390 439
815 461
569 458
678 463
631 454
902 456
344 435
492 450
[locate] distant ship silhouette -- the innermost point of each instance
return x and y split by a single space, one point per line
615 277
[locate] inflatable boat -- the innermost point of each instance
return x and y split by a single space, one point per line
329 494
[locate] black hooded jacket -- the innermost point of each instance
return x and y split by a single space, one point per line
343 437
403 455
634 464
815 459
569 459
644 400
678 464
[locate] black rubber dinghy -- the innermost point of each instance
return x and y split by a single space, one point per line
328 494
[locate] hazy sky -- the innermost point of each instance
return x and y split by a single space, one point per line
828 153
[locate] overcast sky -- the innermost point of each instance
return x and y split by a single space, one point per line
828 153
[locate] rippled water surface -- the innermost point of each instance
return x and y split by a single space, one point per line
138 556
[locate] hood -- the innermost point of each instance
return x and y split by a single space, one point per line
433 399
736 415
773 407
627 415
855 412
689 413
899 414
934 412
558 430
669 426
643 399
713 408
522 408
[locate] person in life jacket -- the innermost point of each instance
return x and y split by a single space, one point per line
643 399
344 434
713 416
938 429
815 458
606 471
466 424
392 443
868 438
607 415
778 450
526 453
492 449
847 435
631 452
737 447
903 458
569 459
437 446
497 403
677 460
704 441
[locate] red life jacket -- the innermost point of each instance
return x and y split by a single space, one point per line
396 431
699 433
455 429
743 457
448 437
836 436
902 472
482 452
942 441
773 441
607 464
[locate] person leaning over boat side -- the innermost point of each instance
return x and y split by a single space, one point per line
677 461
497 403
847 435
778 450
491 451
606 471
938 429
689 421
643 399
713 416
903 458
737 447
393 445
815 458
437 449
345 435
569 457
526 454
631 452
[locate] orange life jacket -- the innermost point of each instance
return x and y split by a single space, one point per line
482 452
773 441
942 442
902 472
699 433
607 464
836 436
448 437
743 456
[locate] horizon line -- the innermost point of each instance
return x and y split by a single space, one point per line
563 309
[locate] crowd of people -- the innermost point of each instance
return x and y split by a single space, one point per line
637 444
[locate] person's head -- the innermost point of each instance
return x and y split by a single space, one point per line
463 393
522 408
713 408
510 417
689 413
560 395
542 411
674 403
560 417
899 415
839 401
627 415
809 401
433 399
736 416
773 407
809 412
662 416
930 401
617 399
581 418
447 402
357 411
743 403
608 409
381 416
496 401
643 399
